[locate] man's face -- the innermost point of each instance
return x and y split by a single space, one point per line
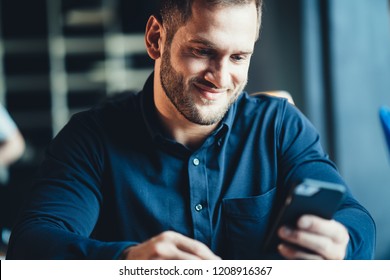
205 67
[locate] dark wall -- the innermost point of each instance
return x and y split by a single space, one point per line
360 54
277 63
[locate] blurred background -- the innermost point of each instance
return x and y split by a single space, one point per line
58 57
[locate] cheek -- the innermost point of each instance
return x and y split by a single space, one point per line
187 64
191 66
240 75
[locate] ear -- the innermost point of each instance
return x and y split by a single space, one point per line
153 37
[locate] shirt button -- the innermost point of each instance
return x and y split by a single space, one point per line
195 161
198 207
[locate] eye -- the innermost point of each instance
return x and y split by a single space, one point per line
239 57
202 52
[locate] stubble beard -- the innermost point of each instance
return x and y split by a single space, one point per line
179 94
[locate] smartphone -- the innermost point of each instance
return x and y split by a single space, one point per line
308 197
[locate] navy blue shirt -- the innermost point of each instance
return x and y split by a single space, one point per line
112 179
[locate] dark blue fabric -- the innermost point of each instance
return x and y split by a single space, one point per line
111 179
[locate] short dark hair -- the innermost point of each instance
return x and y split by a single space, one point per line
175 13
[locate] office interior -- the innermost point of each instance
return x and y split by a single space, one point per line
58 57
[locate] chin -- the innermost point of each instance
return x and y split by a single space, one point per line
211 116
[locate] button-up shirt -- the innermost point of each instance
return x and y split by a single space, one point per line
112 179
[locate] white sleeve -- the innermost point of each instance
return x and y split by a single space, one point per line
7 125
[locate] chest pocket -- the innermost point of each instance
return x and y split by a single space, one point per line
246 220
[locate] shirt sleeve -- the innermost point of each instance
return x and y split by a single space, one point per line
302 156
65 200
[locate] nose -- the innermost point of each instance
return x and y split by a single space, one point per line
218 74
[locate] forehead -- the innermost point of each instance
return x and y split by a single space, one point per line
233 25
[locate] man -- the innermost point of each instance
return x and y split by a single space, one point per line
191 167
12 143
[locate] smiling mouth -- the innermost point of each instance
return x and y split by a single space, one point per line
209 93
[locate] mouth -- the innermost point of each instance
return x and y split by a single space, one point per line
210 93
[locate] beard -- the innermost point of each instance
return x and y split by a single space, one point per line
183 98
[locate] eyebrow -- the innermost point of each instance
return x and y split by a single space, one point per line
203 42
211 45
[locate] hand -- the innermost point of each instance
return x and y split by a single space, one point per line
169 245
327 239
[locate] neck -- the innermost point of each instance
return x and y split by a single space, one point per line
180 129
176 126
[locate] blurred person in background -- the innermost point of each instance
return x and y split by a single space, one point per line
12 146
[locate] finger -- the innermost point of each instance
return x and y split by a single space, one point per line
165 251
330 228
157 249
314 242
189 246
292 253
196 248
321 244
